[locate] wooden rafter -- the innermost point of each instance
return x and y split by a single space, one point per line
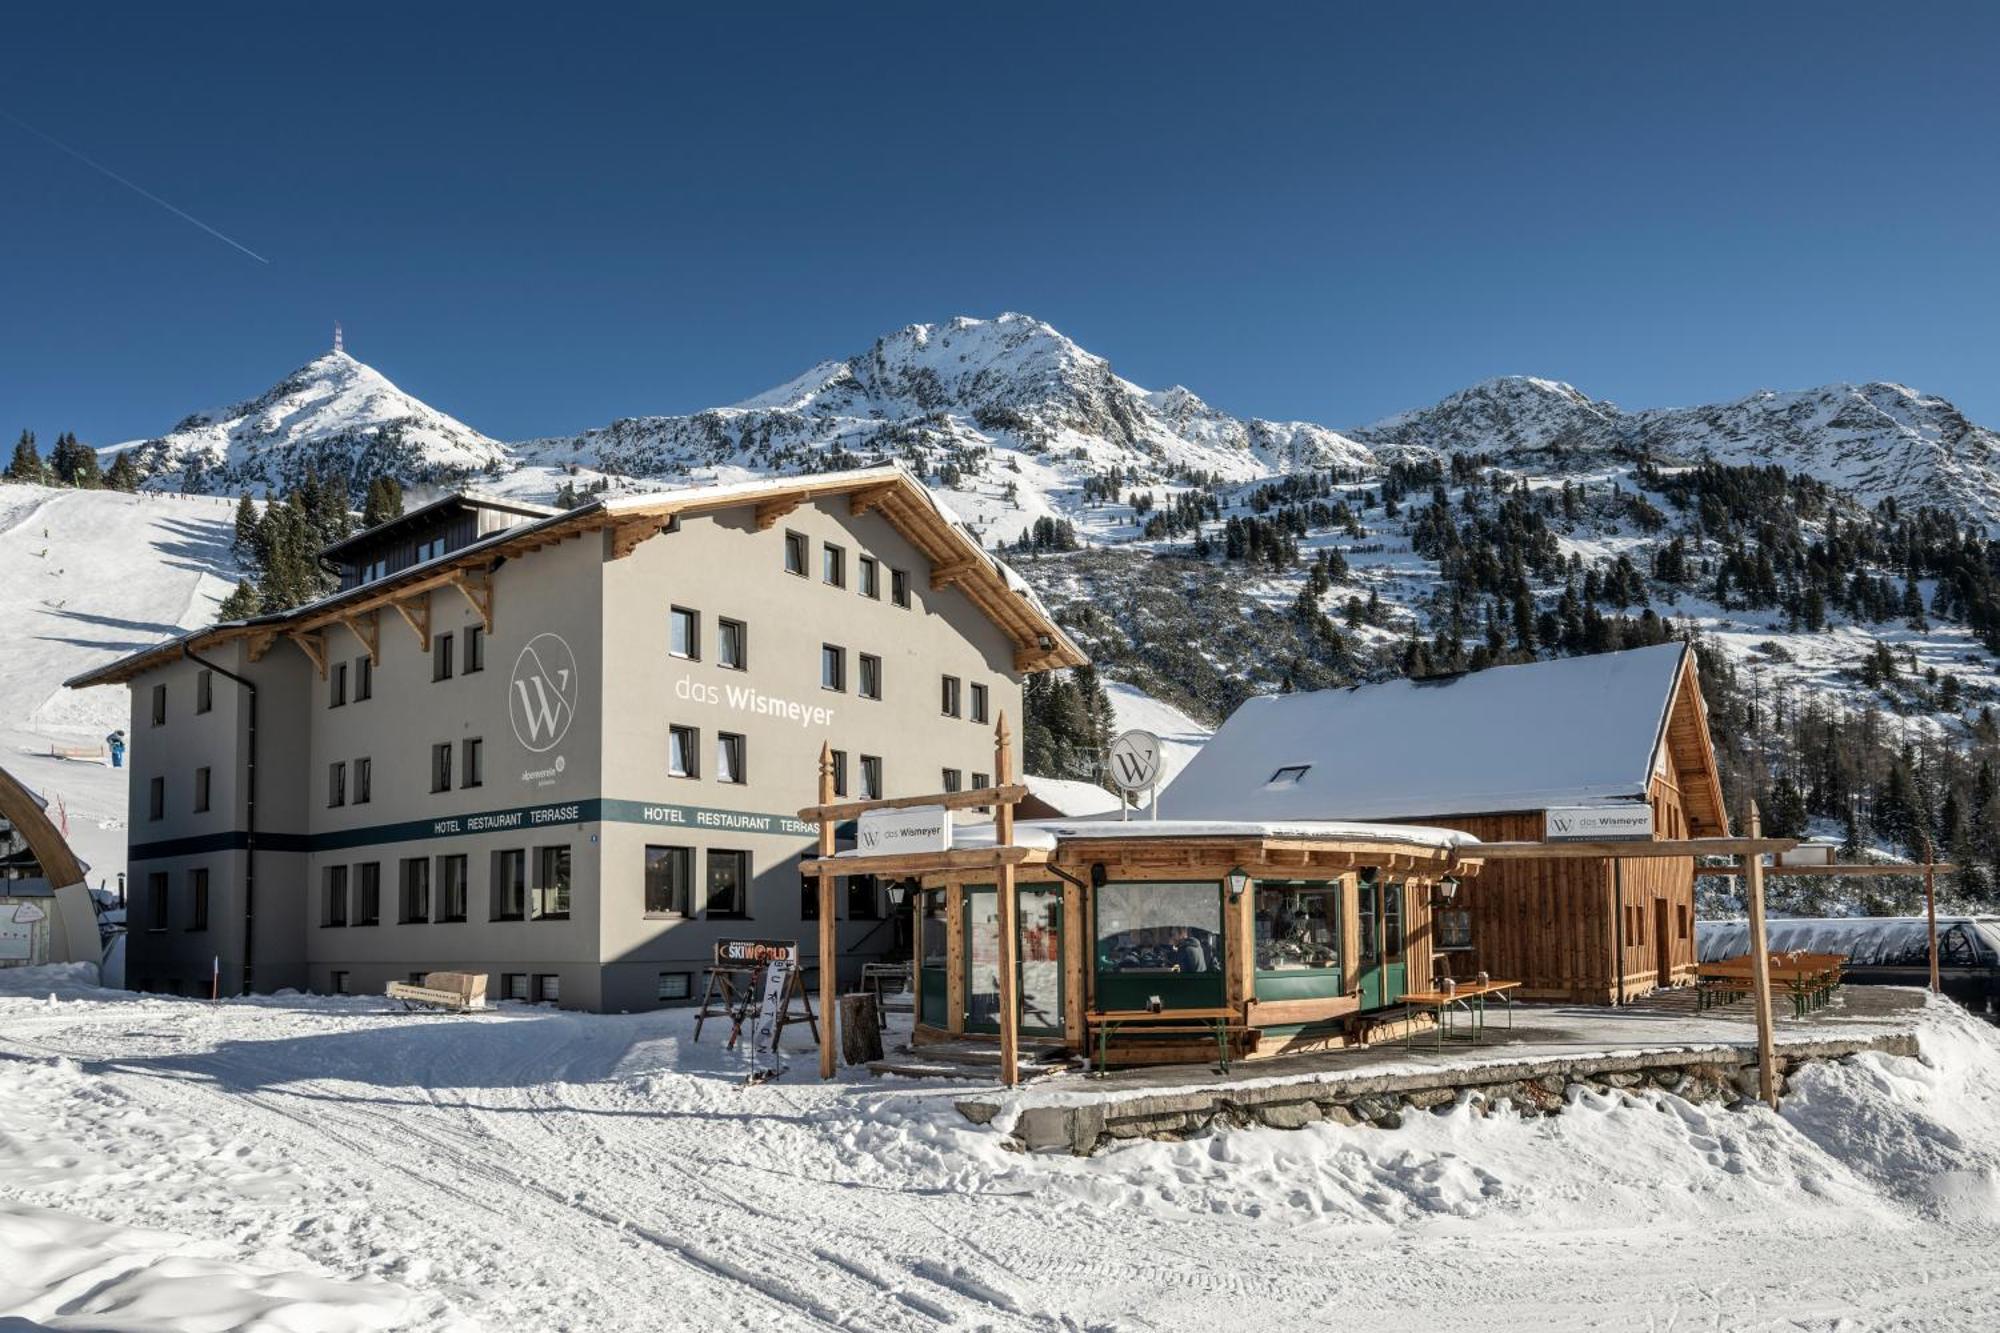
416 613
626 535
367 627
943 576
771 510
476 585
260 644
863 501
313 644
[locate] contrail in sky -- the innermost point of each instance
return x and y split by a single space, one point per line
136 189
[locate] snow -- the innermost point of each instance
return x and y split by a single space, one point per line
328 1164
1047 833
1569 731
1072 798
1181 737
1879 941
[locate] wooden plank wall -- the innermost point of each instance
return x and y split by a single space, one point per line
1649 882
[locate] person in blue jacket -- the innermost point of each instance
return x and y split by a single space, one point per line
116 740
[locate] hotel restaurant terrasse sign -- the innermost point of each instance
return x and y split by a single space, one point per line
1585 823
914 828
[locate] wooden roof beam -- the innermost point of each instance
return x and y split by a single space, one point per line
943 576
367 627
261 643
416 613
476 586
863 501
771 510
313 644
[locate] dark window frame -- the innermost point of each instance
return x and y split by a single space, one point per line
951 696
160 704
471 762
833 565
475 651
798 554
543 885
441 657
723 659
441 904
501 884
871 764
689 740
367 881
980 707
832 654
869 585
333 905
414 878
660 906
156 799
741 858
336 784
364 780
203 789
868 683
204 692
336 685
736 774
197 898
440 767
693 621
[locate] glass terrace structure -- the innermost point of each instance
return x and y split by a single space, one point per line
562 748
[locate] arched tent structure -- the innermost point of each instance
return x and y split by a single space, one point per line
45 909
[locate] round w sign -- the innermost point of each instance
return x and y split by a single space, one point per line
541 697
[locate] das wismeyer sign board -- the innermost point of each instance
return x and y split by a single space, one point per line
1632 819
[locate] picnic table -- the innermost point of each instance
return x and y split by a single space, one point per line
1469 999
1809 978
1221 1022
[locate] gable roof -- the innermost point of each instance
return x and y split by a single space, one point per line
1572 731
957 561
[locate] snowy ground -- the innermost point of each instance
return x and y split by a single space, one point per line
324 1164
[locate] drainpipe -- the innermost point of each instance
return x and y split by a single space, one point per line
249 812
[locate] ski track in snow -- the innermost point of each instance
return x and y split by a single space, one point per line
535 1169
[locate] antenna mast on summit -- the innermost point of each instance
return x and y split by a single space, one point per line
336 336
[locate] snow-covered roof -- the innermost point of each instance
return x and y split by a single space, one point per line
1067 797
1864 940
1573 731
1046 833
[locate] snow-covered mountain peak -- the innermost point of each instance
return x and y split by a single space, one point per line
1508 414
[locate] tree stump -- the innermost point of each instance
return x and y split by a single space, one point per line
860 1029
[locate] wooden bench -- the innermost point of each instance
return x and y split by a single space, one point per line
1222 1024
455 992
1469 998
1809 978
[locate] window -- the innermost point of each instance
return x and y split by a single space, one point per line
728 883
441 657
198 899
833 565
364 679
336 685
871 777
159 705
340 983
475 648
871 577
156 900
451 888
514 986
795 553
336 783
441 766
416 890
732 644
364 780
1289 776
204 692
832 667
978 703
548 988
729 758
669 880
980 782
472 763
430 549
1681 921
551 900
1160 935
871 676
333 897
954 779
675 987
1298 929
156 798
899 587
948 697
510 884
864 898
367 893
683 752
809 897
684 633
839 758
201 791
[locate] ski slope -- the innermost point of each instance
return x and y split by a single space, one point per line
86 577
327 1164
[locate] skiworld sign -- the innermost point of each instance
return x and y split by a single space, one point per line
1631 819
542 694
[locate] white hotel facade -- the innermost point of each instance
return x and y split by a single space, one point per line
563 748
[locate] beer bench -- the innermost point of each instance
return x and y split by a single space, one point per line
1468 998
454 992
1219 1023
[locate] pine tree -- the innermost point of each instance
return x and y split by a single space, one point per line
244 543
124 473
26 464
384 502
241 604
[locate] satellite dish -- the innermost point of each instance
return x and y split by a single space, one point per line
1135 761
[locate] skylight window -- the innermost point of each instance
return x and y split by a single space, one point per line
1288 776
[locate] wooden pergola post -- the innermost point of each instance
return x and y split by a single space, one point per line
1760 969
829 932
1010 911
1930 907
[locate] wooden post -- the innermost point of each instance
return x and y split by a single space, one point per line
1010 912
829 929
1760 970
1930 907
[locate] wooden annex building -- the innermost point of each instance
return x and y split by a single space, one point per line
1492 753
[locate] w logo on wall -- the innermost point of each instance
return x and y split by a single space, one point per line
541 697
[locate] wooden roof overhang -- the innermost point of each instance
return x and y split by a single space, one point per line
956 561
20 809
1263 857
1684 731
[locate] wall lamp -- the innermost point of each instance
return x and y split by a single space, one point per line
1239 882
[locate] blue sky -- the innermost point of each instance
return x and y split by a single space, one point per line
539 220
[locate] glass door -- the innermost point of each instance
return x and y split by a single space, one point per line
982 959
1394 971
934 973
1368 963
1038 958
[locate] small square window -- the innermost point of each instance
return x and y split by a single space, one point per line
871 676
675 987
832 667
833 565
899 587
732 644
1289 776
514 986
871 577
683 752
684 633
795 553
730 758
954 779
340 983
548 988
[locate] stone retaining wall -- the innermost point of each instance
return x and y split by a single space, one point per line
1529 1088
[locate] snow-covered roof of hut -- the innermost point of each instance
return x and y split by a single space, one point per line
1572 731
1046 833
1866 941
